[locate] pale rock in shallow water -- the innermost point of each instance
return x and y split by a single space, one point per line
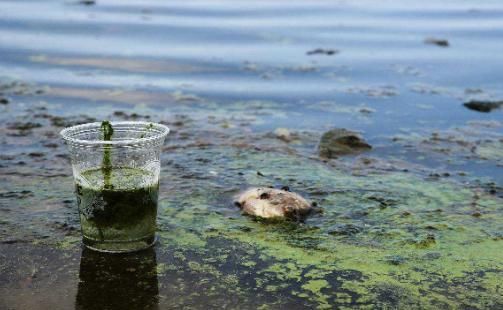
267 202
283 134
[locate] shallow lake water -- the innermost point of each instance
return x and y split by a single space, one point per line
416 222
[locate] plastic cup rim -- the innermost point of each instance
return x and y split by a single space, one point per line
66 136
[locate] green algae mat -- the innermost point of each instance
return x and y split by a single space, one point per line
384 238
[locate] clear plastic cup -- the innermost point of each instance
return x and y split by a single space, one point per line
117 183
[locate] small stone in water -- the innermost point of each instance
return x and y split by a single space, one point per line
283 134
87 2
322 51
438 42
483 106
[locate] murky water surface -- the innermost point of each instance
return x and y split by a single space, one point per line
416 222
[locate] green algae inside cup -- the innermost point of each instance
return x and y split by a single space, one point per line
121 217
116 169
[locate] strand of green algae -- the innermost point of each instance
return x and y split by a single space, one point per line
108 131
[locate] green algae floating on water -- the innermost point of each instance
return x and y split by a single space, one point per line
386 261
426 223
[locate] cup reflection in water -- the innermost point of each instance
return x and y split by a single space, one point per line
118 281
116 168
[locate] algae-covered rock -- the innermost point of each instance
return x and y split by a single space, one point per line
339 141
273 203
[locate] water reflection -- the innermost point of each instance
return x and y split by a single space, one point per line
127 281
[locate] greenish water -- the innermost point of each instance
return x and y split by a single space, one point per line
122 216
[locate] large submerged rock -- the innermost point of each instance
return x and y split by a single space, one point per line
339 141
269 203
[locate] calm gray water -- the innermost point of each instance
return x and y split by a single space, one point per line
225 51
